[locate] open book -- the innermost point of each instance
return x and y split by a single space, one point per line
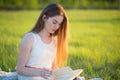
66 73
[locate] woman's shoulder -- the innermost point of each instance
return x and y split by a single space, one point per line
55 40
28 37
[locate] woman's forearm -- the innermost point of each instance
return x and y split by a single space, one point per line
27 71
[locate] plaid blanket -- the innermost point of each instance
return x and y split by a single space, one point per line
8 75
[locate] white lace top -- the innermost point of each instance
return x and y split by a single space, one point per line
42 54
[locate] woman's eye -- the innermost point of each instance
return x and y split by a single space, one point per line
54 22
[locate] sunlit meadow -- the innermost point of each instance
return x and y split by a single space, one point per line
94 41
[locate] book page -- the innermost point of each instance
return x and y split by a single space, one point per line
76 73
62 71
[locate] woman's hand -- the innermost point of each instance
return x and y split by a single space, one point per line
46 73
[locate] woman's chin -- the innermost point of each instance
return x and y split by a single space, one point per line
52 32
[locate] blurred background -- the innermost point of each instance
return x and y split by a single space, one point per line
94 43
69 4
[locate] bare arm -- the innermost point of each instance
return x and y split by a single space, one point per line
24 52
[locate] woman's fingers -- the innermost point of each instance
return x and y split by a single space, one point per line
46 73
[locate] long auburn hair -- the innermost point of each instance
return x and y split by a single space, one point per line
61 34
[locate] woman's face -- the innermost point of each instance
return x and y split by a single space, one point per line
53 23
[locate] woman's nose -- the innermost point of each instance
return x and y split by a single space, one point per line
56 26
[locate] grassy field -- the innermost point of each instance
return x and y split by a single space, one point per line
94 43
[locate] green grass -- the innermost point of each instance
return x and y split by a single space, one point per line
94 43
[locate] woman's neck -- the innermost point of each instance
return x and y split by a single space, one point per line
45 35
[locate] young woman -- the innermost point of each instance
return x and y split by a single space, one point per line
44 48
